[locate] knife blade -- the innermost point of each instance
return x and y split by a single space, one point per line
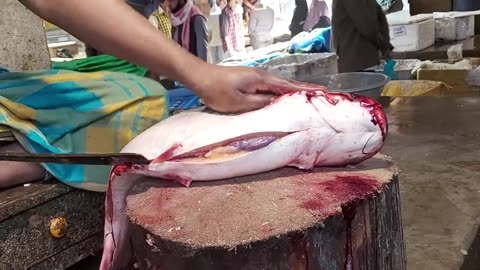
87 159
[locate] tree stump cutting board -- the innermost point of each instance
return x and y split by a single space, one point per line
334 218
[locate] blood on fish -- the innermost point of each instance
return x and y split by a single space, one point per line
323 197
119 170
167 154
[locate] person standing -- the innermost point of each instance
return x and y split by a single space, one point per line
189 27
299 17
229 29
260 25
318 16
248 6
359 37
161 19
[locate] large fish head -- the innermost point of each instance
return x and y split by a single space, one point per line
358 122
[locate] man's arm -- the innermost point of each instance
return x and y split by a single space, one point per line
201 33
363 15
248 4
113 27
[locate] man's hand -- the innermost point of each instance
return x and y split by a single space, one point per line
241 89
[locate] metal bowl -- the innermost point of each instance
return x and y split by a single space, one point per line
362 83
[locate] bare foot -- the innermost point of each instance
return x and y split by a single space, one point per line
15 173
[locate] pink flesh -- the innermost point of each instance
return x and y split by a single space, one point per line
267 139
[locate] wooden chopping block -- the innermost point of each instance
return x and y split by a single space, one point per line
336 218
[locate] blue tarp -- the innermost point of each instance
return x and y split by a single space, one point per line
317 41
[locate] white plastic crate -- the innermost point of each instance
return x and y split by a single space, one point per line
453 26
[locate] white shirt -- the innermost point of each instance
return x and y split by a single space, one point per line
261 22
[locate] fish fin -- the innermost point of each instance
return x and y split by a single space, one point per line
185 182
168 154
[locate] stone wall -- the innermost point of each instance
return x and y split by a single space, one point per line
23 44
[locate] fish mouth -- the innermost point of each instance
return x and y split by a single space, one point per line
372 146
224 150
376 111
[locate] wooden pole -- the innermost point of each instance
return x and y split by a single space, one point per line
339 218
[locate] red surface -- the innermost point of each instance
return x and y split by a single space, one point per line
338 190
167 154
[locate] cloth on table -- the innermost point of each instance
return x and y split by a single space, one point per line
390 6
254 61
59 111
316 41
102 62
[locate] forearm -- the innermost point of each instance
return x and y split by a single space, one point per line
248 4
113 27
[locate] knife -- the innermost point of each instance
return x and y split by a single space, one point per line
87 159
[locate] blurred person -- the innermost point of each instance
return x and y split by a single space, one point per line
299 16
161 19
318 16
260 25
189 27
229 30
360 32
248 6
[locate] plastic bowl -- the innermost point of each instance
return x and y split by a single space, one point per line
368 84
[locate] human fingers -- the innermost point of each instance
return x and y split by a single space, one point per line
271 83
266 82
303 86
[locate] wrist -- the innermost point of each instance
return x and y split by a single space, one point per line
196 77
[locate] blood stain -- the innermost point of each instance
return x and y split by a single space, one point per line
340 190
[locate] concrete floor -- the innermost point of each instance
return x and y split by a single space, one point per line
435 142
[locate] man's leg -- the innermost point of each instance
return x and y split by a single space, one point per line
16 173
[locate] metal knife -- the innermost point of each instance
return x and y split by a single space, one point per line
87 159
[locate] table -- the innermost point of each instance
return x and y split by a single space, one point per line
471 48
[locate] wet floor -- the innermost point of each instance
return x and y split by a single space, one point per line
436 144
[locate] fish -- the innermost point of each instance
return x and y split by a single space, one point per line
304 129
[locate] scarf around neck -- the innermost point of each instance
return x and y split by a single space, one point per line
184 17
